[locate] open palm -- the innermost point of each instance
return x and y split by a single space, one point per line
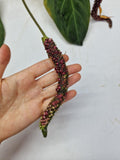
26 94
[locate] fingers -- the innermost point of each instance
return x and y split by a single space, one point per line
52 77
70 95
51 90
4 58
42 67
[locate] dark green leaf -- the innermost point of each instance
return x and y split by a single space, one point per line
2 33
71 17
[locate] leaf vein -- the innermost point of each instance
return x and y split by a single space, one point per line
76 28
62 5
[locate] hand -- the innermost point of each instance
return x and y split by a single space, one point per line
25 95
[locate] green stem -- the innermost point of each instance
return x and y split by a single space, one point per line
33 18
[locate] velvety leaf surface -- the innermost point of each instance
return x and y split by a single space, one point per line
2 33
71 17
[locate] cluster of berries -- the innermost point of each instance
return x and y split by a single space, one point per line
55 54
100 17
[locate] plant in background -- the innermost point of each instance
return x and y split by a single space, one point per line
100 17
72 17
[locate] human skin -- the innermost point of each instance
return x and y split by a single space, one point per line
24 96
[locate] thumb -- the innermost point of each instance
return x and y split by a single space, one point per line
4 58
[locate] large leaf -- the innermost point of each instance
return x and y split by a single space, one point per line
71 17
2 33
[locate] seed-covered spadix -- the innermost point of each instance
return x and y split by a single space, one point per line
55 54
100 17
